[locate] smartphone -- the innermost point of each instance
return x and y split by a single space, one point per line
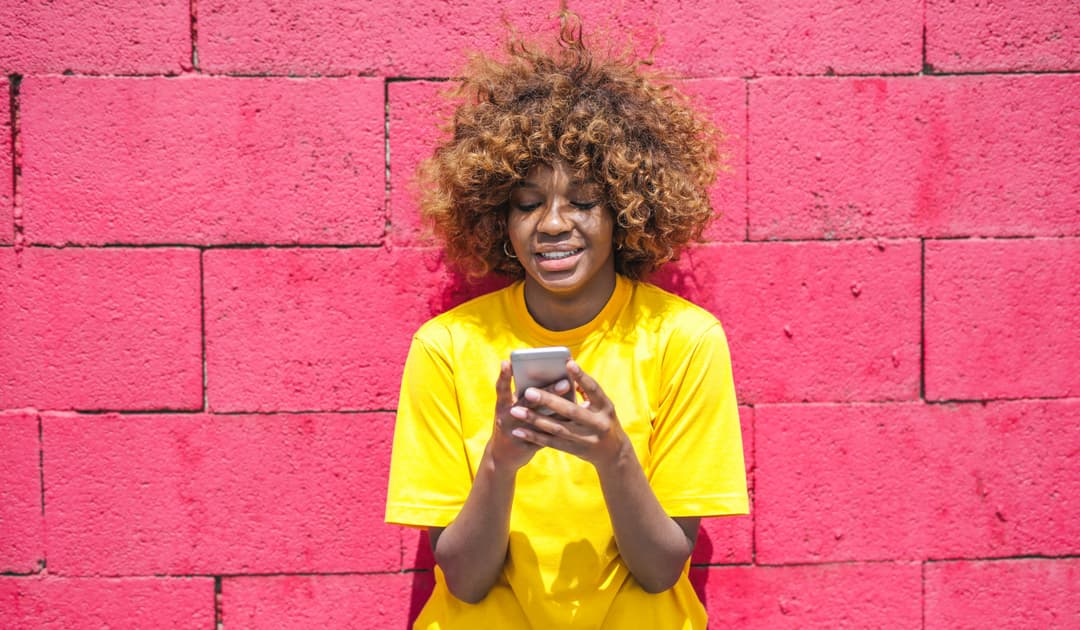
540 367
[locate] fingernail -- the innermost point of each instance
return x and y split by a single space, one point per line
562 386
518 412
532 394
518 433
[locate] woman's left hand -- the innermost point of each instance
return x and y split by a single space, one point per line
589 430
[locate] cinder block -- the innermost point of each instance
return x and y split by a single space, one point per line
138 602
7 179
812 321
701 38
838 483
1002 319
113 328
318 329
356 36
325 601
880 595
418 110
203 160
914 156
1007 594
113 37
22 544
203 494
970 35
730 539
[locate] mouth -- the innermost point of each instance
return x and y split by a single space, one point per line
560 255
560 260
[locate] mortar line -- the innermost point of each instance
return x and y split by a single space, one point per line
407 78
922 580
41 480
922 319
755 404
776 565
193 10
746 158
219 613
926 67
289 246
1012 558
190 412
387 210
165 245
747 77
998 399
753 493
202 329
14 83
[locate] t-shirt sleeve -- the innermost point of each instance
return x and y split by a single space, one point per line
696 457
429 472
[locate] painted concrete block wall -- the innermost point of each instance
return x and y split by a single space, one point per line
211 267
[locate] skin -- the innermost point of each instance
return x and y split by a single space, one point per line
552 211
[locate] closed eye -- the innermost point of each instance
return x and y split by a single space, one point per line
584 205
527 207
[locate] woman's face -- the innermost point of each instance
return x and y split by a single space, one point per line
561 231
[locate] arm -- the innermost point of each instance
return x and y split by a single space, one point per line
654 546
471 550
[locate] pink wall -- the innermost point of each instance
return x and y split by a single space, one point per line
210 271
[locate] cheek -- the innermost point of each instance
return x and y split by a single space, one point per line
603 230
517 228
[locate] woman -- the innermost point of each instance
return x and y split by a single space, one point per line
576 176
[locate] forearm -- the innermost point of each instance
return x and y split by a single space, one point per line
652 544
472 550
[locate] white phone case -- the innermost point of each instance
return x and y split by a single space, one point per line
540 367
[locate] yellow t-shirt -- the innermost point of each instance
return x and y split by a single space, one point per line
662 361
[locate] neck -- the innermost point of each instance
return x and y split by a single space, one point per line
558 311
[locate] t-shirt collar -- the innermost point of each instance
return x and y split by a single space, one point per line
532 331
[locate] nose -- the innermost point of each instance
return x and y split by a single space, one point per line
555 219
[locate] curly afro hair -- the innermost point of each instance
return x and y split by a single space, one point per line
610 120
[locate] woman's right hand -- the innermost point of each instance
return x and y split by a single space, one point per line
505 448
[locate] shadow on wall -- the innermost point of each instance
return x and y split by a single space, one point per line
699 577
676 276
458 289
423 581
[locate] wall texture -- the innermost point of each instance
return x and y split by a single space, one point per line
210 269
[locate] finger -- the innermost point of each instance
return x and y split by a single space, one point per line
560 387
551 425
591 389
502 384
561 407
536 438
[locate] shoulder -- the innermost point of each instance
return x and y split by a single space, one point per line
657 309
680 332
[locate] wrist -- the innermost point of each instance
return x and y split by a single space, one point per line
620 456
504 468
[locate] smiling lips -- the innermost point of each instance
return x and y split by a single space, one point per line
561 260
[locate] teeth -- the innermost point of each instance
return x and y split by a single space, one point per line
557 255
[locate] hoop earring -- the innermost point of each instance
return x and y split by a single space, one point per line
506 250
